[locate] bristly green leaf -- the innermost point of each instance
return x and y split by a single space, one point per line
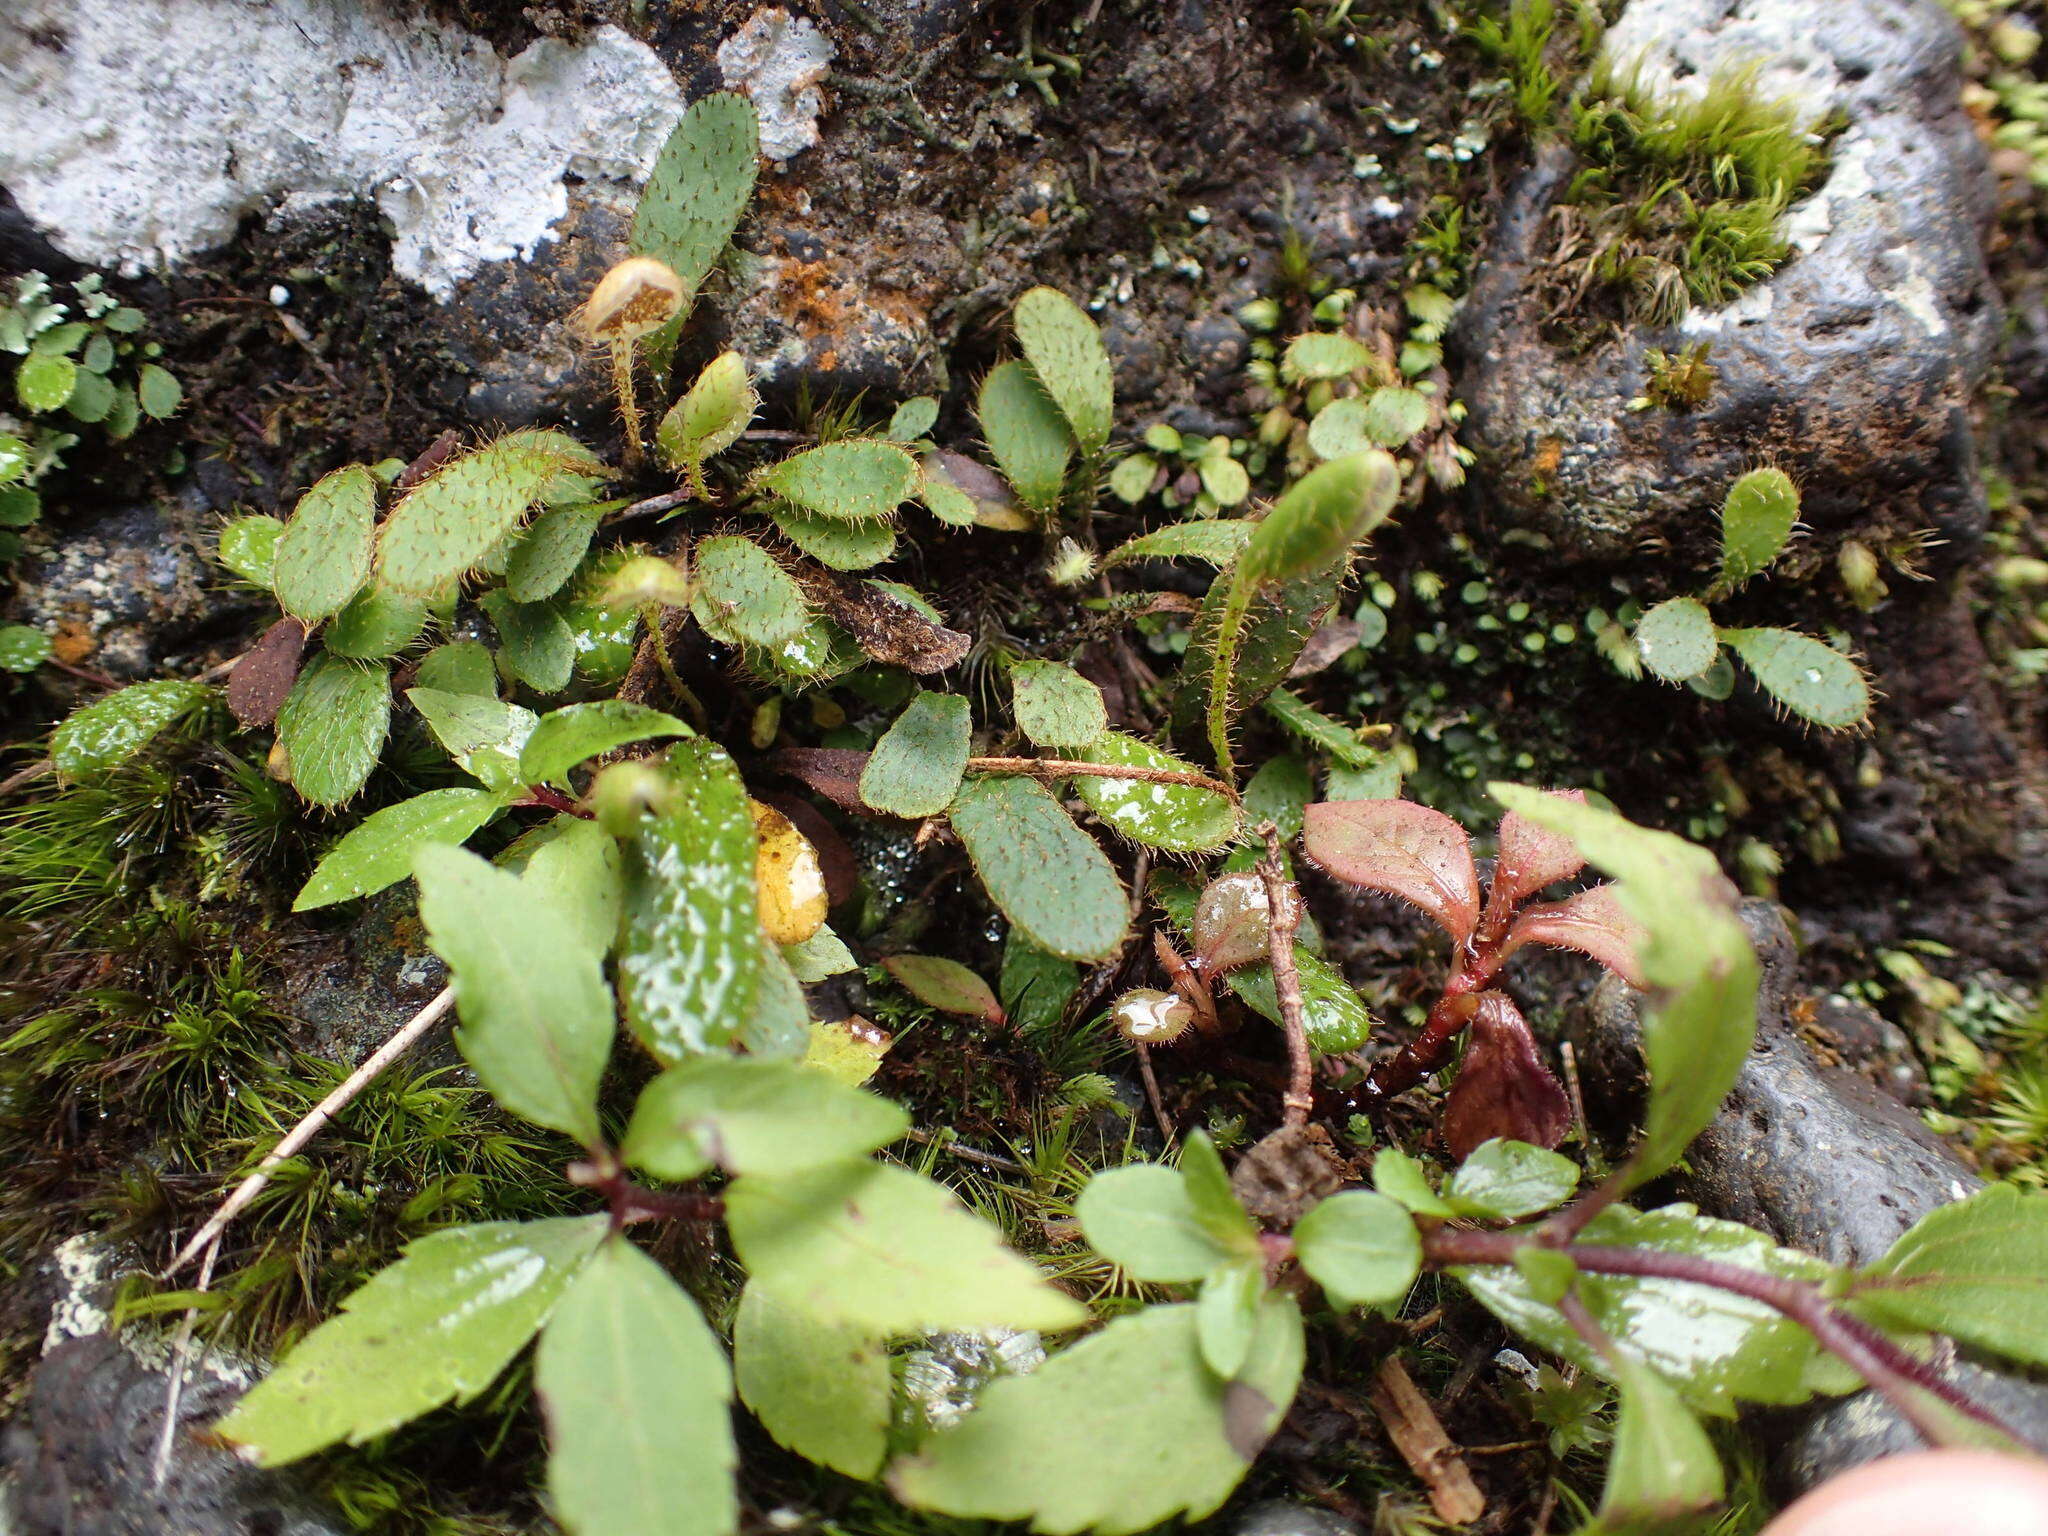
1507 1180
912 419
709 419
536 1013
248 547
699 187
332 727
157 391
1065 350
859 479
1325 355
1756 519
915 768
1808 676
1218 541
43 381
551 549
436 1327
1719 1348
947 986
535 644
107 732
822 1389
748 1116
578 732
1362 1248
878 1247
455 517
690 962
378 851
835 542
1700 1014
375 625
323 556
1180 818
1976 1270
1126 1429
744 594
635 1386
1026 433
1676 639
1046 875
1056 706
1321 516
483 734
1394 414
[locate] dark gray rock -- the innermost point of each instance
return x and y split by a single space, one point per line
1277 1517
117 592
1851 367
1823 1161
352 987
78 1453
1215 349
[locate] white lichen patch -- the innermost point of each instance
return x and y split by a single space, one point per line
136 133
85 1266
780 62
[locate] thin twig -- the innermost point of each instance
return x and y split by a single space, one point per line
26 776
1061 767
1418 1434
1283 910
966 1154
181 1368
1152 1091
408 1034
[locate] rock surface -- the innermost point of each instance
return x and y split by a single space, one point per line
116 592
1851 366
1277 1517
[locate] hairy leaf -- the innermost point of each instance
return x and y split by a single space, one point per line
876 1246
1218 541
436 1327
842 545
537 1017
1676 639
749 1116
1125 1429
714 411
635 1386
1046 875
1325 355
1808 676
1180 818
248 547
1056 706
578 732
332 726
744 594
859 479
1065 351
822 1389
1593 922
1026 433
107 732
323 556
375 624
1314 525
1401 849
1756 519
378 852
916 767
1531 857
455 517
691 958
1976 1270
1394 414
699 187
551 549
1362 1248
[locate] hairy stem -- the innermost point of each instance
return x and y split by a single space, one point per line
1283 908
629 407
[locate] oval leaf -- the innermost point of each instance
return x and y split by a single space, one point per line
1809 677
1046 875
332 726
1056 706
744 594
323 556
379 851
915 768
455 517
1676 639
578 732
1362 1248
1401 849
1757 518
824 1390
1026 433
946 985
109 731
750 1116
1066 353
860 479
1180 818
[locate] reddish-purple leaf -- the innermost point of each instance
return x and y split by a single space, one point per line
833 772
1503 1089
1532 857
1403 849
260 681
946 985
1591 922
1232 921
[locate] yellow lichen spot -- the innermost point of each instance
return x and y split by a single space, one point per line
789 876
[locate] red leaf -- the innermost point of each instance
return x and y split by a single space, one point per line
1503 1089
833 772
264 675
1232 924
1591 922
1532 857
946 985
1403 849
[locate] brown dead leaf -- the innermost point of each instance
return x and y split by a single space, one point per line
264 675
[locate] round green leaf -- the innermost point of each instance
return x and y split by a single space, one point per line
1056 706
860 479
1361 1247
1676 639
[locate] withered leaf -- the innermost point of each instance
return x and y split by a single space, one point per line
833 772
884 626
264 675
1503 1090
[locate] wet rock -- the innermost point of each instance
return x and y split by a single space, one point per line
1215 349
1823 1161
78 1453
1851 366
352 987
116 592
1277 1517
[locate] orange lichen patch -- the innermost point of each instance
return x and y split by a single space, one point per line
822 302
72 643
